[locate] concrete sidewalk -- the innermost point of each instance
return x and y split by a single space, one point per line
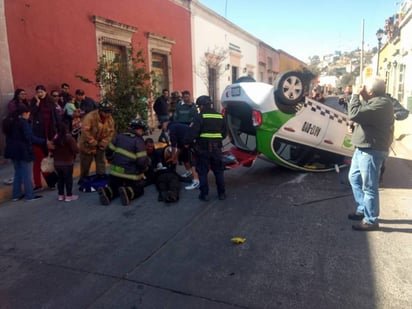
7 171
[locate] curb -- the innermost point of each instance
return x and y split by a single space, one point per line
6 191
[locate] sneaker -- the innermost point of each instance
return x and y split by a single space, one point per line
18 198
60 198
222 196
51 188
193 185
123 196
36 197
38 189
104 199
204 198
9 181
365 227
70 198
356 216
186 174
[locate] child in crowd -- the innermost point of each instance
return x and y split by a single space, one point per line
72 115
64 153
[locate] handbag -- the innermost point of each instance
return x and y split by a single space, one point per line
47 164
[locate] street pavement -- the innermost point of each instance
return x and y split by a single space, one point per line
300 251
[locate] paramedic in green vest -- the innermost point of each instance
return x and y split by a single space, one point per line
208 132
128 161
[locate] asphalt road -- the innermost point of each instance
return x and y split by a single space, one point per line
300 250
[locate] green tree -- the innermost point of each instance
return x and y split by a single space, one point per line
126 84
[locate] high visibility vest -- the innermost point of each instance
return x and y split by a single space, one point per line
211 126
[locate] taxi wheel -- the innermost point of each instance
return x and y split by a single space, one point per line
289 88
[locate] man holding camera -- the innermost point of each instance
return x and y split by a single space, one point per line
372 137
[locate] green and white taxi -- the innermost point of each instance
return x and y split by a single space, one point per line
280 124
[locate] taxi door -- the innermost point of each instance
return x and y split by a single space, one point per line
308 126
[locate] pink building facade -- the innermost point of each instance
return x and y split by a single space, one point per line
50 42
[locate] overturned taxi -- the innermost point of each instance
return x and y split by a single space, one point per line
281 124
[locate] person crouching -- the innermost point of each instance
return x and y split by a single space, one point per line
166 179
128 160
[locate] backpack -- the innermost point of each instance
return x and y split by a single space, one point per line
92 183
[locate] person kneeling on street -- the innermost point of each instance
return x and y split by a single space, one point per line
166 179
162 171
128 161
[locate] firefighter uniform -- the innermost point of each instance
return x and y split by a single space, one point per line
208 131
128 161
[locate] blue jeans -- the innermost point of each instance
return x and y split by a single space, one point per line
22 175
364 178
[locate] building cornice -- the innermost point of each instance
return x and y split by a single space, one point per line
202 11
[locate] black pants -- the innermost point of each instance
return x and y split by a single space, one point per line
65 173
134 188
168 181
209 155
168 185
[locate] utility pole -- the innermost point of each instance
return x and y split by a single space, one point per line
226 9
362 50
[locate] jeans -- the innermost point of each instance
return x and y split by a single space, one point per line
364 178
22 174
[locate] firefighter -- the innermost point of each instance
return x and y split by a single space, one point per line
208 131
128 161
97 131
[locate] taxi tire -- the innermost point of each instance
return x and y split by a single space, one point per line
290 82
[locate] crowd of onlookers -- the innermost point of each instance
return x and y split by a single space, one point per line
48 123
58 126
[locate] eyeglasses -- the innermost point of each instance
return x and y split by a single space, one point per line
55 95
22 93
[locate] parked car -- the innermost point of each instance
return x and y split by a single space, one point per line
279 123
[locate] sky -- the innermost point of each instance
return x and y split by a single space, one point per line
305 28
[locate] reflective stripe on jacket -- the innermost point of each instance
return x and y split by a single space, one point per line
127 156
212 126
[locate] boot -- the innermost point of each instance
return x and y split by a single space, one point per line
104 196
125 195
162 196
172 197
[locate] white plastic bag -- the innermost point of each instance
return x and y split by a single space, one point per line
47 164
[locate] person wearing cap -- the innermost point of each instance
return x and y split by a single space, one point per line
97 131
208 131
128 161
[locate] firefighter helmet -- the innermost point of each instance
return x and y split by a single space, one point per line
105 106
138 123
